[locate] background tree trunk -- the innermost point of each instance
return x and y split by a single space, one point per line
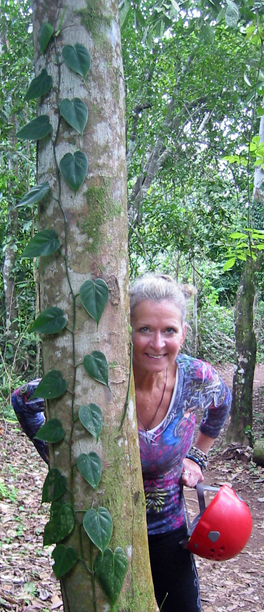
93 225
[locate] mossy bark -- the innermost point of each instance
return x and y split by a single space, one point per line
92 226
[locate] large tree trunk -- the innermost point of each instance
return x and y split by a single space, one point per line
93 228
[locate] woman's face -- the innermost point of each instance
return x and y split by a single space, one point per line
157 335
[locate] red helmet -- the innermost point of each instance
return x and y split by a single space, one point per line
222 529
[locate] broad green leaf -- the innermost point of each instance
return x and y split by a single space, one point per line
92 419
50 321
260 247
54 486
90 467
52 431
236 235
61 523
77 58
94 296
65 558
74 169
40 86
96 366
75 113
229 264
231 14
98 525
36 194
45 243
36 129
110 569
51 385
45 34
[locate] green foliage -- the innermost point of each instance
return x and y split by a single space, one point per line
94 296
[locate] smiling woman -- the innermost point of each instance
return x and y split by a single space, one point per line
170 387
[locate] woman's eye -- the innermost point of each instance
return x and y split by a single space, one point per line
171 330
144 330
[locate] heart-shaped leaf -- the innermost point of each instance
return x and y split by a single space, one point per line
96 366
54 486
61 523
65 558
75 113
110 569
40 86
45 34
50 321
36 129
92 419
36 194
74 169
98 526
90 467
52 385
45 242
77 58
94 296
52 431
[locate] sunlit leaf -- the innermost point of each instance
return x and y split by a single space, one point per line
45 243
96 366
229 264
94 296
98 525
50 321
90 466
111 568
77 58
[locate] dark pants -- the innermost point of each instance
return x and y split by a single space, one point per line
174 573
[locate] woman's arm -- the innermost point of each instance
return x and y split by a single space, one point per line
192 472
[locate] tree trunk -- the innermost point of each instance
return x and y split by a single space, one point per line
92 226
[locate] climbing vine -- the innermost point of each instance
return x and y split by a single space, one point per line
108 566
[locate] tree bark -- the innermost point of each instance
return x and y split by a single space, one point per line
92 225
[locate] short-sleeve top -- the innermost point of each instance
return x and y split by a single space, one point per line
163 448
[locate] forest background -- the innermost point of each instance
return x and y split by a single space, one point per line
194 91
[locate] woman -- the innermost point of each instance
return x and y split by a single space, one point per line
170 387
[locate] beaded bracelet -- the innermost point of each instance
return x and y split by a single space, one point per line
197 455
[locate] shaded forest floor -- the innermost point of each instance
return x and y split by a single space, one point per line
27 583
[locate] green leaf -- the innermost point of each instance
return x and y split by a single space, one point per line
45 34
40 86
229 264
54 486
98 526
75 113
77 58
231 14
61 523
65 558
50 321
74 169
110 569
45 243
94 296
92 419
237 235
52 385
90 467
36 129
96 366
52 431
36 194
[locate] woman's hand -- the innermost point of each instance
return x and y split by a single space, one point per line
191 473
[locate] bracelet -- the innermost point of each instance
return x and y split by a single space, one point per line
198 456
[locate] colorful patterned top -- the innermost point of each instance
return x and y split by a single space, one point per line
163 448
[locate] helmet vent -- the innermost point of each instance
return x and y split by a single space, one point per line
213 536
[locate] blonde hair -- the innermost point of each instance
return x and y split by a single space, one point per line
156 288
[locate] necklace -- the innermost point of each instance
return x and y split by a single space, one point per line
158 407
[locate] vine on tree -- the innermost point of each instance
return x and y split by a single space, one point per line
109 567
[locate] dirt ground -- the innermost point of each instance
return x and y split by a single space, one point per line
27 583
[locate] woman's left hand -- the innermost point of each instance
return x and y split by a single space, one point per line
191 473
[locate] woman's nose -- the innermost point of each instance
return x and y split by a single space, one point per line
157 341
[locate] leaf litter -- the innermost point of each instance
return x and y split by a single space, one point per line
27 582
